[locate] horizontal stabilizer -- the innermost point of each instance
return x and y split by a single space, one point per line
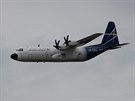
119 46
123 44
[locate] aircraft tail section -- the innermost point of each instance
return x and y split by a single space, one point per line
110 38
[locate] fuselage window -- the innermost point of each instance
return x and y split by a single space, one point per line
21 49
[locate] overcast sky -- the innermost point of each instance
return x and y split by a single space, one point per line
27 23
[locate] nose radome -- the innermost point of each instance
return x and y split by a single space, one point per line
14 56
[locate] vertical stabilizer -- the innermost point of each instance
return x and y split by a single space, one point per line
110 38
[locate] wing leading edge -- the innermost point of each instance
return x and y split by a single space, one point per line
88 39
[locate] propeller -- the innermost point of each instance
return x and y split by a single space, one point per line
66 39
57 44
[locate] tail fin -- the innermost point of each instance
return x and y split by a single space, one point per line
110 38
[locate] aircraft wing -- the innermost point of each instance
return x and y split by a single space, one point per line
74 44
88 39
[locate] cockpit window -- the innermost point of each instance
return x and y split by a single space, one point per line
20 49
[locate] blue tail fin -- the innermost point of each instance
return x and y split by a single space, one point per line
110 38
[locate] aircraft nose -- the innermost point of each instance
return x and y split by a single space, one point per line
14 56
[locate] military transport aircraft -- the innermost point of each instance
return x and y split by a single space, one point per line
70 51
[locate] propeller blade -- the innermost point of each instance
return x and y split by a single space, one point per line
57 44
67 37
55 41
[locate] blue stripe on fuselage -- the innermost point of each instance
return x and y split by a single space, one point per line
94 50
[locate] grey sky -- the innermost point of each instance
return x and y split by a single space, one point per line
108 77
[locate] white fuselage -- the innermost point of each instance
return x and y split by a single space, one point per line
51 55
